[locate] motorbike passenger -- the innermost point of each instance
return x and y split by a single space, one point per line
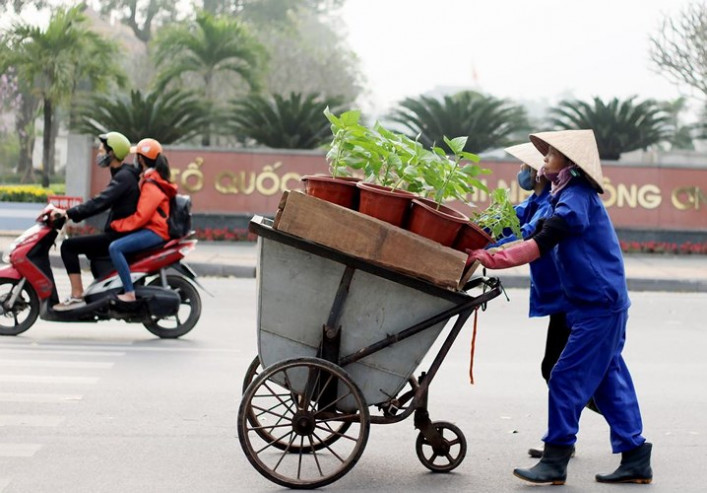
147 227
120 198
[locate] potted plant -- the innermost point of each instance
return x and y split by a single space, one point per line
445 178
391 176
491 224
345 154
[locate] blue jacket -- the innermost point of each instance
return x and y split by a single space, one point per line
589 260
546 295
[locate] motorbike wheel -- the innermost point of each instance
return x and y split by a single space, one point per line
187 316
22 314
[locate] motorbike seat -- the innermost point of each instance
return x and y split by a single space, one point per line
102 265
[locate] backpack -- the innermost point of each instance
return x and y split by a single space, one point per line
179 219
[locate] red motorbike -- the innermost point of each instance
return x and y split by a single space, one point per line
168 304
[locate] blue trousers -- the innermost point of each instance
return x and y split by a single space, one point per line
134 242
591 365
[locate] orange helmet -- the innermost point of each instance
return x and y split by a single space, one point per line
148 148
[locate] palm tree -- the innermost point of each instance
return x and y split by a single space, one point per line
213 49
488 122
619 126
54 61
171 117
292 123
682 135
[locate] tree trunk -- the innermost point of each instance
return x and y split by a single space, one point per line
206 134
24 125
46 142
52 145
206 137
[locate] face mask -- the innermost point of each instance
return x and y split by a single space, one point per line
525 179
103 160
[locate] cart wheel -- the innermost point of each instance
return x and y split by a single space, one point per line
253 371
266 424
304 397
449 455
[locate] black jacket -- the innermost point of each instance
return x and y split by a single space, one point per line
120 196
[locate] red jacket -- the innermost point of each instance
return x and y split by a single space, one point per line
152 207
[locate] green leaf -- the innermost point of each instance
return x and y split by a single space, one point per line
470 157
350 118
456 145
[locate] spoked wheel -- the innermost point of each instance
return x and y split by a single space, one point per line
307 401
448 455
254 369
266 424
17 316
187 316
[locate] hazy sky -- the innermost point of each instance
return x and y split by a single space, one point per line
519 49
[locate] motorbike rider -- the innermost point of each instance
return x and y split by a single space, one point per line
119 198
147 227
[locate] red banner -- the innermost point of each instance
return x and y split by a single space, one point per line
63 201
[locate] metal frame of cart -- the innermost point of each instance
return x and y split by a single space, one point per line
336 336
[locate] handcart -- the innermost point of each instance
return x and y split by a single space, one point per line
338 335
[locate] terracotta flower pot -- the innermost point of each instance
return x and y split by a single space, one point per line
341 191
383 203
471 237
438 224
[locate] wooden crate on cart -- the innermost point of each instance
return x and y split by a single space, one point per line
370 239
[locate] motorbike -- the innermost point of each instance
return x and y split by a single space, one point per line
168 303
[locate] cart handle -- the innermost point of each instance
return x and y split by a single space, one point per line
490 282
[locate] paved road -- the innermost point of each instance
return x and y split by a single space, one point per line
18 216
108 408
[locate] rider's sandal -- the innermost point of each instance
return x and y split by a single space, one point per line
69 304
121 298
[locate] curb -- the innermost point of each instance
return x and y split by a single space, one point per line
634 284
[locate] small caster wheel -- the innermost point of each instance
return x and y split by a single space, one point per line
448 455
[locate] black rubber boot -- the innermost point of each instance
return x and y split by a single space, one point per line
552 467
635 467
537 453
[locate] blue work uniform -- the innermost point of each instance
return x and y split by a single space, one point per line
546 295
591 272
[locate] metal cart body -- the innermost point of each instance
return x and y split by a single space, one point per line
337 335
296 288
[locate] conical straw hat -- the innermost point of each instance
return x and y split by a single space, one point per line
579 146
528 154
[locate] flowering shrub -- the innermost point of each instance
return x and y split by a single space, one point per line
224 234
205 234
687 247
23 193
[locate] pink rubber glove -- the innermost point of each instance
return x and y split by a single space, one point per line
518 255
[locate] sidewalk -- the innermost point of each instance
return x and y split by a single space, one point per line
644 272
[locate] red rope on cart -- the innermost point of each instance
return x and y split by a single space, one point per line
473 347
